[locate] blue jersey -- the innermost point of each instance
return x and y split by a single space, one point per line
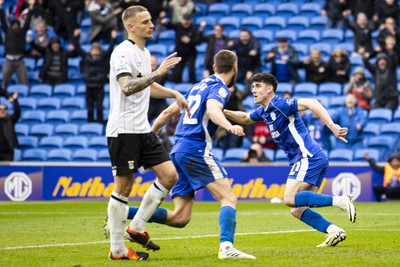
193 134
287 128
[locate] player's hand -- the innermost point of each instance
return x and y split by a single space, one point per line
168 63
340 132
183 104
236 130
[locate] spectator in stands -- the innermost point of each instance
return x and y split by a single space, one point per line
362 29
388 9
215 42
157 105
42 12
187 37
339 67
8 137
41 37
262 135
179 8
391 47
55 66
284 60
389 28
15 47
255 154
66 17
95 68
363 6
361 88
316 68
385 79
104 20
317 129
391 177
334 9
354 118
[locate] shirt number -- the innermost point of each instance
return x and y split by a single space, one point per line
194 104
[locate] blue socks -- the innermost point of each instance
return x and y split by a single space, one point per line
160 216
315 220
312 199
227 223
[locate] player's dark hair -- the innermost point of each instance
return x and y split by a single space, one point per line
265 78
224 61
131 12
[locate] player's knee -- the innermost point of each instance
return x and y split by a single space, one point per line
230 200
288 200
180 221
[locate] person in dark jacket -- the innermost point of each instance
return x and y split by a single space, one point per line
95 68
334 9
186 39
15 47
390 28
316 68
8 137
388 9
339 67
367 7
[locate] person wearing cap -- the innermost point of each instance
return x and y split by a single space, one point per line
391 177
284 59
8 137
361 88
15 47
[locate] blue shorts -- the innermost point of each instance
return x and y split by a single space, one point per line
195 172
310 170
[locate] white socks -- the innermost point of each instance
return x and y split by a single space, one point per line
116 222
337 201
225 245
333 228
151 201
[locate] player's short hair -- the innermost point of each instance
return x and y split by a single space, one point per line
224 61
131 12
265 78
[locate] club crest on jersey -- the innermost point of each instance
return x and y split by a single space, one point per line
273 116
131 164
222 92
271 127
140 64
289 101
275 134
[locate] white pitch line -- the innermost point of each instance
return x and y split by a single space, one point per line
162 238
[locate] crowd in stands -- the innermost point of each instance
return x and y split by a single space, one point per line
346 54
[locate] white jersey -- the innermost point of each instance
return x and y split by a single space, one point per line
128 114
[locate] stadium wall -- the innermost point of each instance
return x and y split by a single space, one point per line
84 181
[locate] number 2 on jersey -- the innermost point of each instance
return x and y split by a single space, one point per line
194 104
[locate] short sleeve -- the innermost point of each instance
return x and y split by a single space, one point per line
288 106
256 115
121 64
220 93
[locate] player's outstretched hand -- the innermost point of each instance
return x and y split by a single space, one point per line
340 132
183 104
168 63
236 130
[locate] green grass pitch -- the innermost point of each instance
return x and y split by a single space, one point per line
70 234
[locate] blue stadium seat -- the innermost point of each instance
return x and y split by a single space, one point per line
302 49
48 104
183 88
98 142
159 50
26 142
91 129
234 154
41 130
166 37
59 155
348 47
84 155
73 103
318 23
201 49
51 142
269 153
79 117
218 153
35 154
384 144
337 102
21 129
349 36
341 155
17 154
211 21
310 10
380 115
284 87
396 116
33 116
305 89
103 155
81 90
248 103
230 23
325 48
264 10
40 90
275 23
280 156
298 23
76 142
74 65
56 117
391 129
33 77
241 10
332 36
291 35
202 9
66 130
308 36
29 63
27 103
264 36
218 10
22 89
324 100
64 90
359 154
252 23
330 89
287 10
371 129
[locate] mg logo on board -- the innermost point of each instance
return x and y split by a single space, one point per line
346 183
18 186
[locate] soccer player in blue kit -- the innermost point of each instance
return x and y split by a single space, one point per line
192 154
309 163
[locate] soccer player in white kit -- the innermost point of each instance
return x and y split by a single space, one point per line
130 140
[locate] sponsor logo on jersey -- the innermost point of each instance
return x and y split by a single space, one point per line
289 101
275 134
131 164
273 116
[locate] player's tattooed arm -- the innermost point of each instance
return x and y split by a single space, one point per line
132 85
